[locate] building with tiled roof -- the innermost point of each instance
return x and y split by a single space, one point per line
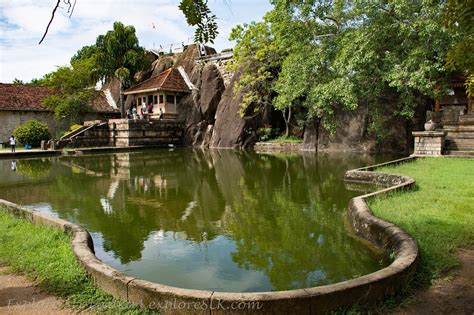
20 103
29 97
163 91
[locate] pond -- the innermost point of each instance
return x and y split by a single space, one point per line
217 220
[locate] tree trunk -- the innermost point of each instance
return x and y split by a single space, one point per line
287 121
122 105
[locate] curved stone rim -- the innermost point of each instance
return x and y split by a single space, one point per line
315 300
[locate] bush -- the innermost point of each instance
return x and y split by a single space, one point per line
32 132
74 127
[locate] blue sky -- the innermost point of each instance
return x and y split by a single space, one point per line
158 22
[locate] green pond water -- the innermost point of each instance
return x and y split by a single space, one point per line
215 220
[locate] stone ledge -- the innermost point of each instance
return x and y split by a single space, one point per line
428 133
277 146
317 300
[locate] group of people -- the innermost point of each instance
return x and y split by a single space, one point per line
142 112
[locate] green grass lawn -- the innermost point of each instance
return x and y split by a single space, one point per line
45 256
284 139
439 213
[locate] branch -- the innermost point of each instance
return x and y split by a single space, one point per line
50 21
70 10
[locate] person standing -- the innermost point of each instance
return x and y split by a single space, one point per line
134 113
13 143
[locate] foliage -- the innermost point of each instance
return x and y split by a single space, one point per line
70 106
336 54
32 132
34 168
118 54
74 127
291 139
264 133
198 14
459 19
44 254
74 87
258 56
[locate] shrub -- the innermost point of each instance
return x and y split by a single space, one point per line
74 127
32 132
264 133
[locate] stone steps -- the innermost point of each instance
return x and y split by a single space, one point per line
458 127
459 134
459 144
469 118
459 152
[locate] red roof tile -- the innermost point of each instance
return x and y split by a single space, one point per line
28 97
22 97
168 80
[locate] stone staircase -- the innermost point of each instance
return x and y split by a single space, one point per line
459 135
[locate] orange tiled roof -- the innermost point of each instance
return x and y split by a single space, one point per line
168 80
28 97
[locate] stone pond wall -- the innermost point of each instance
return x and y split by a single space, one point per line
128 133
317 300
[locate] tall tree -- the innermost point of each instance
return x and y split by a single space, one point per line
338 53
118 54
459 19
74 89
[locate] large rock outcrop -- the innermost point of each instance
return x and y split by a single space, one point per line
352 132
212 88
161 64
229 127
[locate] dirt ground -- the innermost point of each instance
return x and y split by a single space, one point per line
19 296
452 294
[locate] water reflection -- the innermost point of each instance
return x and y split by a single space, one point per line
219 220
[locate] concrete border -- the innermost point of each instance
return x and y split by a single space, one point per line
317 300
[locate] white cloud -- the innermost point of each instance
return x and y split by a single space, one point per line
22 23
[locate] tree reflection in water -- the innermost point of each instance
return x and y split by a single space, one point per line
221 220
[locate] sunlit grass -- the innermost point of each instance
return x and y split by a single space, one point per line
439 213
284 139
45 256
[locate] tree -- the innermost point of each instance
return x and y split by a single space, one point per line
459 19
198 14
118 54
258 55
74 89
338 54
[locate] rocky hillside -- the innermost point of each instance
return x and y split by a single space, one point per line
212 119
